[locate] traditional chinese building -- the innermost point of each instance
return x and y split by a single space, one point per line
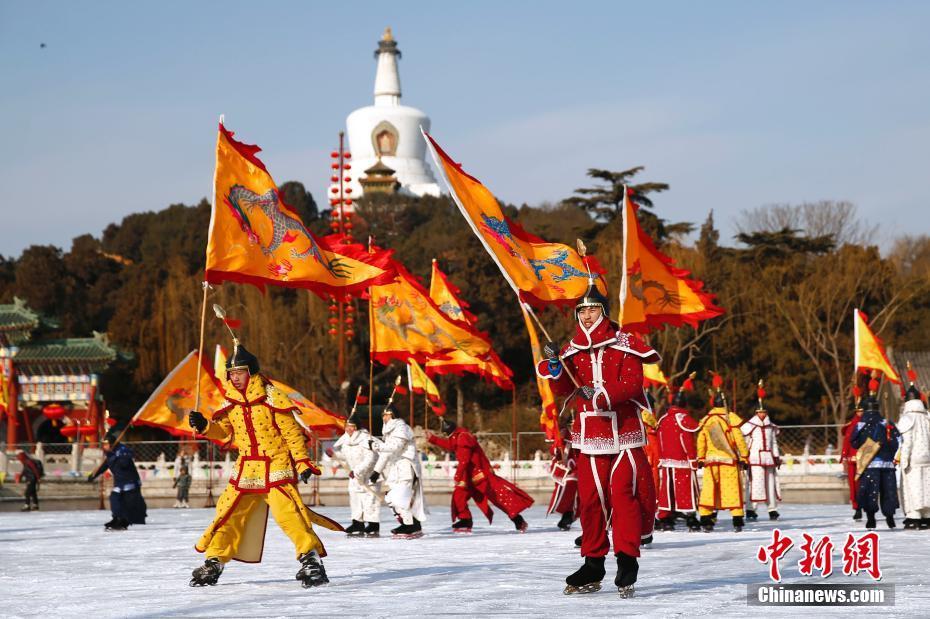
49 387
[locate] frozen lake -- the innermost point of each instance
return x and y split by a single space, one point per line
63 564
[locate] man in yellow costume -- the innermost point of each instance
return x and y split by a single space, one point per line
272 456
722 453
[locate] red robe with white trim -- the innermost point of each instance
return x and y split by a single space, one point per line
615 482
678 485
564 472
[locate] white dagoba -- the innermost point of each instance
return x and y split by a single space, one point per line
390 131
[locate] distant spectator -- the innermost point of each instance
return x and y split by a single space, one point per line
126 503
32 472
183 483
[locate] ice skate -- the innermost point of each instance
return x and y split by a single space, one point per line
857 515
738 523
774 515
356 529
924 524
565 522
627 569
646 542
889 520
693 525
707 524
177 505
587 579
751 515
870 521
311 572
462 526
373 529
520 523
408 531
26 508
578 541
207 574
117 524
910 524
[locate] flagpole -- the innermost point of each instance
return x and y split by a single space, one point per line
203 325
529 310
410 395
624 283
371 348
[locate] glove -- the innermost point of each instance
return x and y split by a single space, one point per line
330 452
550 351
700 464
374 477
91 478
777 462
351 474
309 472
197 421
371 444
586 392
743 465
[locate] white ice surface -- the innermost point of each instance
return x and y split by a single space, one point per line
63 564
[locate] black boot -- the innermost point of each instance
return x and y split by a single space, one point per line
519 523
373 529
773 515
587 578
645 541
693 524
462 526
924 524
117 524
707 524
751 515
890 521
207 574
738 523
910 524
857 515
565 522
356 529
409 531
311 572
668 524
578 541
627 569
870 521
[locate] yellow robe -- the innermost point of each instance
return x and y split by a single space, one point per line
272 454
720 446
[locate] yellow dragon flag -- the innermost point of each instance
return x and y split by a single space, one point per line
174 398
869 351
309 415
406 324
490 367
653 291
549 417
256 238
540 272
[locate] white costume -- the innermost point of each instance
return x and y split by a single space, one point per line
353 451
399 462
914 426
762 442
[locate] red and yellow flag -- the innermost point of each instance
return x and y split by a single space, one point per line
653 375
490 366
549 417
653 291
421 383
540 272
256 238
869 350
174 398
406 324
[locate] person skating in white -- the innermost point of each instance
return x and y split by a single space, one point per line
354 452
764 459
914 426
399 462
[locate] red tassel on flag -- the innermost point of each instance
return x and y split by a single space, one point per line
401 390
362 399
232 323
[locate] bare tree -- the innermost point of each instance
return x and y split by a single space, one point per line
839 220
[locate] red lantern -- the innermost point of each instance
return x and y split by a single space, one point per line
350 334
334 190
348 202
348 190
334 178
348 225
348 155
350 320
348 179
87 430
334 155
334 201
54 412
334 166
333 332
334 308
334 321
69 432
347 166
334 225
350 309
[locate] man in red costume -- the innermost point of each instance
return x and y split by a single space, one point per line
475 479
564 472
615 484
678 485
848 458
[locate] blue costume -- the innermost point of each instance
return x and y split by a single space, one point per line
126 502
877 485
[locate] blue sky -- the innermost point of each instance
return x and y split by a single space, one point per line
735 104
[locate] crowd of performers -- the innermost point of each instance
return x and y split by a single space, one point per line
618 469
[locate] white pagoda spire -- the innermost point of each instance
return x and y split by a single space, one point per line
387 79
